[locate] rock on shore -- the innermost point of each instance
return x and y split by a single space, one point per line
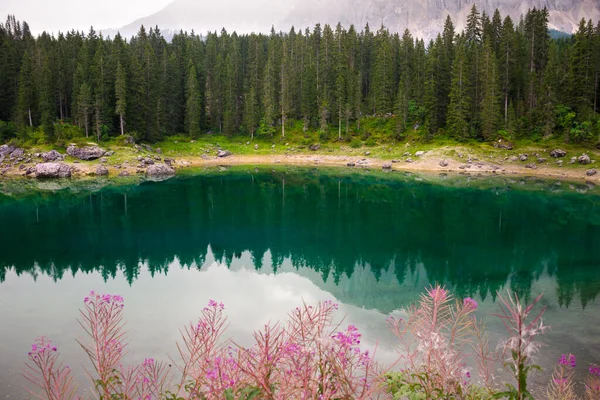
160 170
86 152
52 170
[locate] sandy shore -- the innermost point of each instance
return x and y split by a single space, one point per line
428 163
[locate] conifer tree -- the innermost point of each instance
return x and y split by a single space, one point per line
270 81
192 104
507 60
26 98
121 96
490 107
46 99
459 108
84 104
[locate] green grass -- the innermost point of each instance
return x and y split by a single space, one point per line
376 135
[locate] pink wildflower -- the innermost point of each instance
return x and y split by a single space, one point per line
470 303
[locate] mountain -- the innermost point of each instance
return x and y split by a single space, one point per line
424 18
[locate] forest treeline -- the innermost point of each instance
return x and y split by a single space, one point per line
497 78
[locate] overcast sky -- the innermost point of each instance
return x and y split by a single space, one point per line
64 15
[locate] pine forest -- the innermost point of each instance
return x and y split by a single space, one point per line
498 78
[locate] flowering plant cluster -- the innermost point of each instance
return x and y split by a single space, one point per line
312 357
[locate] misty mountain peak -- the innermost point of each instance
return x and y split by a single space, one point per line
424 18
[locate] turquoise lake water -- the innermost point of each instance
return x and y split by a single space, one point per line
263 241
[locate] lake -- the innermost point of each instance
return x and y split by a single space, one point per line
263 241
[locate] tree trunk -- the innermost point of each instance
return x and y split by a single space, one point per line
122 128
60 102
30 120
595 94
97 122
505 109
340 122
347 123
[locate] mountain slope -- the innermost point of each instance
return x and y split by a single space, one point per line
424 18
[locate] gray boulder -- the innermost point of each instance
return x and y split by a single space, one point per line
124 173
160 169
255 147
513 158
556 153
52 155
591 172
409 160
532 166
443 163
503 145
86 152
584 159
6 149
17 153
52 170
223 153
351 164
541 160
419 153
387 166
101 170
314 147
523 157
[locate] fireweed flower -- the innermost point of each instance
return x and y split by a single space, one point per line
567 360
40 346
103 299
594 370
349 338
470 303
148 362
215 305
330 303
438 293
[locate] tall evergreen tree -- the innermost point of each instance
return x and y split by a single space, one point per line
192 104
27 98
459 108
47 104
84 104
121 96
490 105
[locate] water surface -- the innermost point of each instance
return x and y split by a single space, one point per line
263 241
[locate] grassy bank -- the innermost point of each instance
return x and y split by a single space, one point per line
374 148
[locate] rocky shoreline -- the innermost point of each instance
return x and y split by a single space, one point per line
93 160
53 164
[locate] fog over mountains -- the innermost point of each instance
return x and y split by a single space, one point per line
424 18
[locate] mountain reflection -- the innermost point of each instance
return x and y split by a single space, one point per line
356 229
